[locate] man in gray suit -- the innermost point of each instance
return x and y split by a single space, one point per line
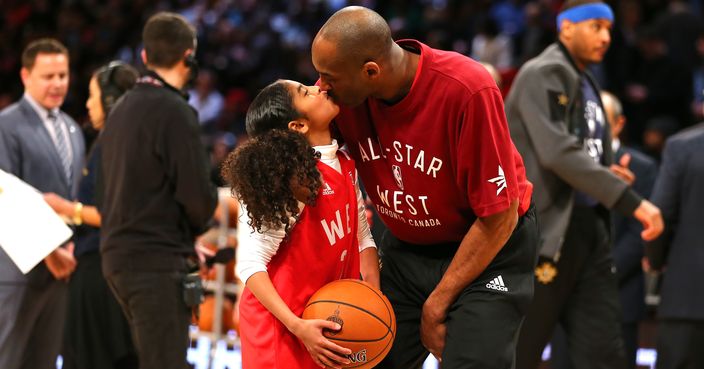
558 124
44 147
678 192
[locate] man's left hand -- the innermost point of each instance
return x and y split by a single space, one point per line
433 328
621 170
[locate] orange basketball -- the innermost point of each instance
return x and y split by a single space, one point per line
365 314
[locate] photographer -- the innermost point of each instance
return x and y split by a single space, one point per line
157 196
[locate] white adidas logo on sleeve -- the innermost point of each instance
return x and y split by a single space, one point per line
497 284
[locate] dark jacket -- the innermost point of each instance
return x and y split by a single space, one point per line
156 195
679 194
629 247
546 119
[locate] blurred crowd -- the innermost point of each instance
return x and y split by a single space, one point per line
655 64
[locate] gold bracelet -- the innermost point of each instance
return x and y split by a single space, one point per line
77 214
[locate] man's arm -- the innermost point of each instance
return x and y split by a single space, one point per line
480 245
562 153
9 157
188 167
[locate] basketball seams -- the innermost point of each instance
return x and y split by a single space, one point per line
381 296
352 306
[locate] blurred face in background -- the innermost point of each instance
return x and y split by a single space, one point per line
47 81
95 105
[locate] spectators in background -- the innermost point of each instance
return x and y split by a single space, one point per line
247 43
206 99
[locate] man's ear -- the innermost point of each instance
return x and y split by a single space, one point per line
299 125
566 29
24 75
144 56
371 69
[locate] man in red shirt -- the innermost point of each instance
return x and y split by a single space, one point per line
428 133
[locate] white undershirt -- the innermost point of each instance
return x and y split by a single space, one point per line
255 249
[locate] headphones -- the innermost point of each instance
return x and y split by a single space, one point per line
109 91
192 64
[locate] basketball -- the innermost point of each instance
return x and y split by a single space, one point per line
365 314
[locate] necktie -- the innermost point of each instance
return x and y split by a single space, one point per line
61 144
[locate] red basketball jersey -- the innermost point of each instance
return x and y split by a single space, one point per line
321 247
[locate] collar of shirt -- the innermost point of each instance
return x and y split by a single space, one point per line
155 79
40 110
327 152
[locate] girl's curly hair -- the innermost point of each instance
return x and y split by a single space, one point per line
261 173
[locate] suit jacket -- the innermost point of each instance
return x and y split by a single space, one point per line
628 246
679 192
545 115
28 152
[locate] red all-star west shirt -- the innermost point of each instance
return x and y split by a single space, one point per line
441 157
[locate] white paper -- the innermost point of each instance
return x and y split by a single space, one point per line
29 228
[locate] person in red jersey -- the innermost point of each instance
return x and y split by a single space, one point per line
428 133
308 224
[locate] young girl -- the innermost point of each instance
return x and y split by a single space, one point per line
309 226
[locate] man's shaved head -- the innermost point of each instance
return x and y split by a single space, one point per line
359 34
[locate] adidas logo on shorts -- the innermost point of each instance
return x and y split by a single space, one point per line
497 284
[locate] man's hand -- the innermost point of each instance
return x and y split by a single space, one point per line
651 219
432 327
61 262
621 169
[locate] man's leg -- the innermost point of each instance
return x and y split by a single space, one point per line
12 343
407 278
46 323
680 343
483 323
158 316
630 343
592 316
549 300
559 353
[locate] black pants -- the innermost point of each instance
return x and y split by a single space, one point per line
483 323
560 356
32 327
157 314
93 311
583 299
680 344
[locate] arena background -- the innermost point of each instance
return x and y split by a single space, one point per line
655 64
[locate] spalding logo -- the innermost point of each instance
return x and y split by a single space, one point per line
335 317
358 357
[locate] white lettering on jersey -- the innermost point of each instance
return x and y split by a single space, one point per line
400 201
403 153
334 228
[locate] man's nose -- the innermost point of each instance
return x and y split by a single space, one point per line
324 86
